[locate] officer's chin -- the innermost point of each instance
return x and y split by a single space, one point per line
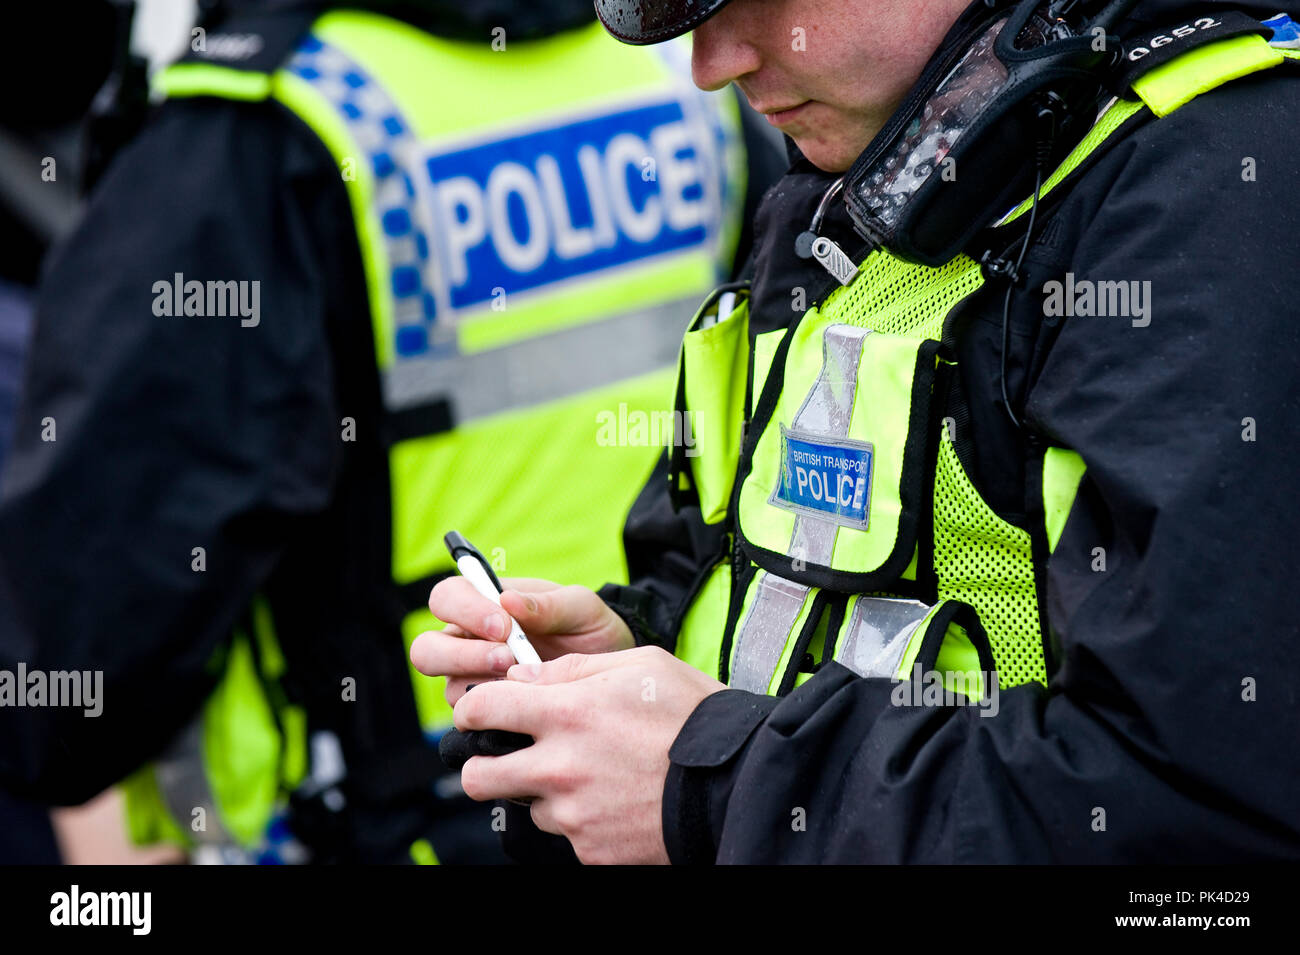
834 164
828 155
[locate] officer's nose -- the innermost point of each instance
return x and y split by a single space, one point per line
722 49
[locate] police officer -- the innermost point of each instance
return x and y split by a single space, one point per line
344 293
976 566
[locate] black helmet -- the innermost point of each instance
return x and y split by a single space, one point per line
653 21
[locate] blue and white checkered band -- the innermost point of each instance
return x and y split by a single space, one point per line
377 124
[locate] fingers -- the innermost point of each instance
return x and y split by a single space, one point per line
455 602
513 776
577 666
437 653
558 610
517 777
543 813
528 585
515 707
458 686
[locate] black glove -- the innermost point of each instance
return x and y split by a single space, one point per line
456 747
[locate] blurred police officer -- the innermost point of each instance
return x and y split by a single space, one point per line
368 275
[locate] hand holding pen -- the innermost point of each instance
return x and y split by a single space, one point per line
474 567
555 620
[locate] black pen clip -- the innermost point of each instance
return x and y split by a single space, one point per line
458 546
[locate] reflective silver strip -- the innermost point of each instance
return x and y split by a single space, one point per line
826 411
879 630
546 367
183 784
763 635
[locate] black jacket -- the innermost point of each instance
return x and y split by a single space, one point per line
1146 714
202 433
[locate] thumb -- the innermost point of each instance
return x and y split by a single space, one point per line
568 668
564 610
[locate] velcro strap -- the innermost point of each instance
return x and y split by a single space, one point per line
254 41
1168 87
235 56
1160 45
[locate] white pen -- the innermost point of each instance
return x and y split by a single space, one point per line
474 567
